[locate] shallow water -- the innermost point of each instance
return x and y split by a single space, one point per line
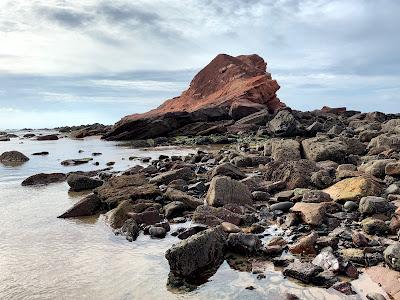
42 257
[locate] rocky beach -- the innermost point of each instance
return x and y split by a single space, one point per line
238 180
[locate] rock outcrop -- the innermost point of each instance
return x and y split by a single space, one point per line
227 88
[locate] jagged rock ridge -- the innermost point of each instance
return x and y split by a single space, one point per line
227 88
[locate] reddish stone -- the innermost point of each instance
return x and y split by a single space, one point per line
236 85
334 110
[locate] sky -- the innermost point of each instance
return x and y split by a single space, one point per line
66 62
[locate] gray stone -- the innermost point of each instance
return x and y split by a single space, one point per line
373 205
375 167
350 206
285 150
283 124
224 190
228 169
244 243
185 173
316 196
174 209
327 260
192 256
374 226
13 157
283 206
304 272
130 230
81 183
260 196
157 232
392 256
337 149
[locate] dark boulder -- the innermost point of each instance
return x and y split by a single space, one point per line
224 190
185 173
191 257
88 206
283 124
81 183
48 137
13 157
304 272
244 243
42 179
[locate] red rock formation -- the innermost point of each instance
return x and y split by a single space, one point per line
228 87
334 110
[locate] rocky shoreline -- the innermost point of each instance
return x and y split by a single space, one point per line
315 193
333 192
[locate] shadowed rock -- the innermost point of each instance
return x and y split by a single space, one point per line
88 206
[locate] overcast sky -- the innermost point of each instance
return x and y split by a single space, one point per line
72 62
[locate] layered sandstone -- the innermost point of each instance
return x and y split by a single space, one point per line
227 88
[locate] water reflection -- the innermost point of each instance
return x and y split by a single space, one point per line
42 257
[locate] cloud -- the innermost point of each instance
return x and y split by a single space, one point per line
127 13
68 17
56 54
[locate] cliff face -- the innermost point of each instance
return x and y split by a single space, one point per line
227 88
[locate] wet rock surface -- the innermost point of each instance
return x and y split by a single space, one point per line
81 183
13 157
43 179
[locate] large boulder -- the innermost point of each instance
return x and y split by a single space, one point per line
185 173
126 187
194 255
43 179
322 148
353 189
224 190
375 167
79 182
13 157
117 216
174 209
142 211
285 150
385 141
227 87
213 216
283 124
296 174
373 205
